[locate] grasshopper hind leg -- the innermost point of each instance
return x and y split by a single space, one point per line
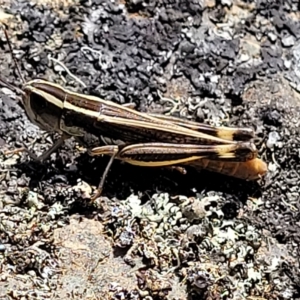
98 192
104 150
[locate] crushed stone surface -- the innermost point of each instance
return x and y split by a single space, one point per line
155 233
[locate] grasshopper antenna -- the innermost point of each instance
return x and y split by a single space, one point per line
13 57
2 80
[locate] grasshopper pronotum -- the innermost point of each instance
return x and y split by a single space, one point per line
146 139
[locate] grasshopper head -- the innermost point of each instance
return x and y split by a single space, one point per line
43 103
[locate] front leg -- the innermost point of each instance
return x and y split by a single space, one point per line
43 156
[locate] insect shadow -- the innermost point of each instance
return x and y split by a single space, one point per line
125 179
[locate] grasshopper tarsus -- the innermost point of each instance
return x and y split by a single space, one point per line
24 149
97 193
179 169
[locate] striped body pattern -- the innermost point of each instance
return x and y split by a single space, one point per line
140 138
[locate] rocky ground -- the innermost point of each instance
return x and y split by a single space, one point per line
155 233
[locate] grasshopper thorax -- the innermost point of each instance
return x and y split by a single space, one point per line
41 104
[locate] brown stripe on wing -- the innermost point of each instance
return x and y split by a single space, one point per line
48 87
227 133
166 152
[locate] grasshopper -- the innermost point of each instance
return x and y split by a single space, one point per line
134 137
